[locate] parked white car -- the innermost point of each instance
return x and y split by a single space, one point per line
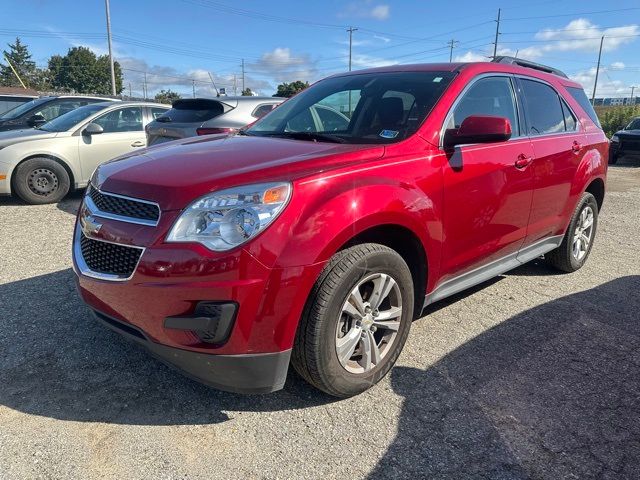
42 165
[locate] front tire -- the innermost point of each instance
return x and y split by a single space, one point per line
356 320
41 180
576 246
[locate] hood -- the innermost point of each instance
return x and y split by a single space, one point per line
628 133
175 174
16 136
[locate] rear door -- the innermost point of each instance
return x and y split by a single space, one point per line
487 198
122 133
558 145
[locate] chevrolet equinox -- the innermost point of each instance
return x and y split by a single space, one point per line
318 234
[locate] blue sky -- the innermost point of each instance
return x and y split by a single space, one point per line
180 41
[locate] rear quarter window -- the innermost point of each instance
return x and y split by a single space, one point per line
581 97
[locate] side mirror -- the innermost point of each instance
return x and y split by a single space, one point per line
36 120
92 129
479 129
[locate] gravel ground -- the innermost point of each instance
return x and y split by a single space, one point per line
531 375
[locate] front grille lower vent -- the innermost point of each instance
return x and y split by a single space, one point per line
109 258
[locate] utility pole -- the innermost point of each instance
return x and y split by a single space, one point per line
130 91
113 71
452 43
214 84
595 83
243 75
631 100
495 44
235 85
144 90
350 30
193 85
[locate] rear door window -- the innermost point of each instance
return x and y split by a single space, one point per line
570 122
193 111
544 109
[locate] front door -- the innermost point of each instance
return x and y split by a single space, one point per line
487 198
122 133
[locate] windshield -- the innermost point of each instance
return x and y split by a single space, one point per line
69 120
25 107
359 108
634 125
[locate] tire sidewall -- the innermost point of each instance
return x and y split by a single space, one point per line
21 181
381 262
589 200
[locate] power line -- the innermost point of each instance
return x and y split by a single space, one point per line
573 14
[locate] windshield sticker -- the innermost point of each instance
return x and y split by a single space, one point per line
389 133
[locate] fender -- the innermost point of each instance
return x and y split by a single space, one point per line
593 165
343 209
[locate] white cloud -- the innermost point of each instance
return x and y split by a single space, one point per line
366 9
368 61
581 34
160 77
617 65
607 86
470 56
380 12
283 66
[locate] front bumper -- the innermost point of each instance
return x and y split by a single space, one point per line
250 373
168 283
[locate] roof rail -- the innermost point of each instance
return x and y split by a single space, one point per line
526 63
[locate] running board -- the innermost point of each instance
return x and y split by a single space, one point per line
493 269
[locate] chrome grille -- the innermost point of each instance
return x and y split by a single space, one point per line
124 207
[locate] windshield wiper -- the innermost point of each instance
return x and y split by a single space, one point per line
313 136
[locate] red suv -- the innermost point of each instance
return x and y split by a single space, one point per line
318 234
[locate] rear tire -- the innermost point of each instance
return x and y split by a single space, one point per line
356 320
41 180
578 240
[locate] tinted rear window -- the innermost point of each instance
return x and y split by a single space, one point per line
195 111
581 97
543 107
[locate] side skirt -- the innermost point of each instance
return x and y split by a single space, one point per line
493 269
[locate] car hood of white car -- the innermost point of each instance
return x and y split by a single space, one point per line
17 136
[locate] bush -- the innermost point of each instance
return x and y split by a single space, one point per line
612 118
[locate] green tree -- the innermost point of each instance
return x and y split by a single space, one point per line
167 96
612 118
81 71
247 92
20 58
290 89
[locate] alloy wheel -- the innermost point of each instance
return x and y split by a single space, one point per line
369 323
583 233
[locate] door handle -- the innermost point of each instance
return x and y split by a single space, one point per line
138 143
523 161
576 147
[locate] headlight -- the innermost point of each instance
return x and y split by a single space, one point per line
223 220
615 138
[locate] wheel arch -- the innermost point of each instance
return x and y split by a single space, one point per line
597 189
49 156
408 245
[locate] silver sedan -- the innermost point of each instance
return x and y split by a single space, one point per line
42 165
